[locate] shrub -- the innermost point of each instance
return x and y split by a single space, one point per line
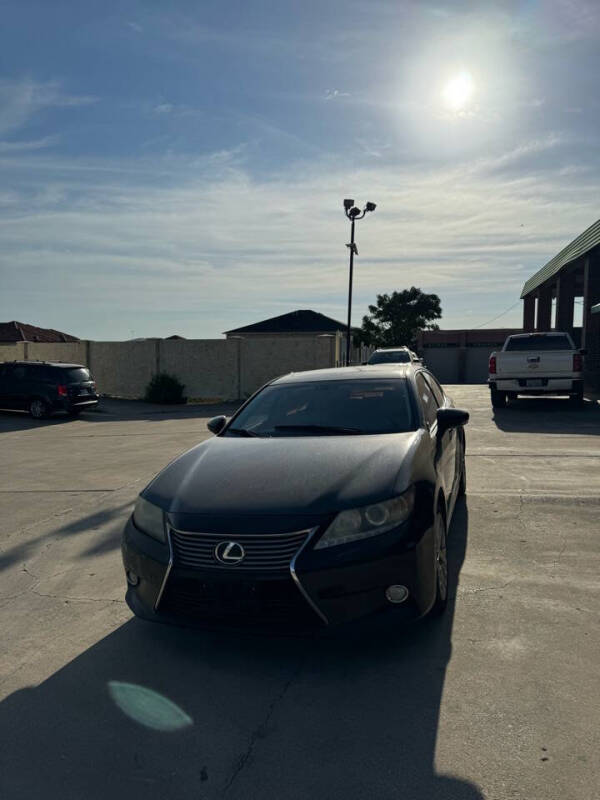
164 388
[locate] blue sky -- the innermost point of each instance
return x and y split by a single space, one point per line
179 167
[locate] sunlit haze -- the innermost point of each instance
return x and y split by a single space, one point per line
180 168
458 91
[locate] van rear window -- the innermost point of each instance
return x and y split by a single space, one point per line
552 342
75 375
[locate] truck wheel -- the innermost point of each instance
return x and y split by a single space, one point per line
576 400
498 398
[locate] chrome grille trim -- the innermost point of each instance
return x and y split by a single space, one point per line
271 553
296 579
161 591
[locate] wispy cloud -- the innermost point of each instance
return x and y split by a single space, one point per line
206 244
35 144
332 94
135 27
20 100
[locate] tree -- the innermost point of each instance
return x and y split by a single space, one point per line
397 318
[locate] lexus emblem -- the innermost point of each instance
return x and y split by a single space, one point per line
229 553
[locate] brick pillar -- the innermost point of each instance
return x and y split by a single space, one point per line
590 336
529 312
544 313
565 297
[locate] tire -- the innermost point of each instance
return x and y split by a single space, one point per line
576 400
462 484
74 412
498 398
441 566
38 408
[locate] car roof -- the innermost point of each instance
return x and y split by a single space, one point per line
347 373
46 364
536 334
391 349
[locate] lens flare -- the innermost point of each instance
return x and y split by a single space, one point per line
147 707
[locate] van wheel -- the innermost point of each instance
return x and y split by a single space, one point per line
576 400
498 398
38 408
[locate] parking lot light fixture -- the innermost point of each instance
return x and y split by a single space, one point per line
353 213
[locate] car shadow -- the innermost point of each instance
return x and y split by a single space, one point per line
115 411
548 415
177 713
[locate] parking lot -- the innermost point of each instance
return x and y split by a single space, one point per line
498 700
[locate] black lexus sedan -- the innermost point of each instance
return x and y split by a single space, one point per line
325 498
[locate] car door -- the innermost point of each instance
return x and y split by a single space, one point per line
449 453
5 370
18 386
12 386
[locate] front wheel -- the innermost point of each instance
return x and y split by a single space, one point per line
441 566
462 483
39 408
498 398
576 400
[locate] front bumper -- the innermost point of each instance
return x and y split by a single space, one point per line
322 587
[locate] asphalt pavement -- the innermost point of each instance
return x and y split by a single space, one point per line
498 700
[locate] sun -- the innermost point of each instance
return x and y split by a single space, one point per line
458 91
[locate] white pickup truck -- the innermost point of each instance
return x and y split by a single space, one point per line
536 364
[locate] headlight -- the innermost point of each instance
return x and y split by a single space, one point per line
149 519
360 523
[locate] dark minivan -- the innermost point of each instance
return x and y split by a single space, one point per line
42 387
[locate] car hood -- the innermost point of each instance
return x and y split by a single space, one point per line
310 475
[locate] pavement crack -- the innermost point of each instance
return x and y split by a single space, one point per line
76 599
480 589
259 732
560 555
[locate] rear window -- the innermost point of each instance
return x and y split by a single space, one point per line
552 342
73 374
390 357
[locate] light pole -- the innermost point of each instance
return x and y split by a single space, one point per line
353 213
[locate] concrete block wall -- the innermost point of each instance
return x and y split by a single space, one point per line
12 352
210 369
268 357
122 369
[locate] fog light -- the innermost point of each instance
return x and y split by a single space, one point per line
396 593
132 578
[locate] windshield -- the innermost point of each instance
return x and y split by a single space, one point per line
390 357
552 342
328 408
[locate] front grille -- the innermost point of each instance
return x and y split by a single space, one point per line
263 553
276 603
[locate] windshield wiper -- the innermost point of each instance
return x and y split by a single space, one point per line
317 429
243 432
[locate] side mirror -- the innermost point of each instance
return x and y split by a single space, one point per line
216 424
583 351
451 418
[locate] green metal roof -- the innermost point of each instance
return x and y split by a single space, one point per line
578 247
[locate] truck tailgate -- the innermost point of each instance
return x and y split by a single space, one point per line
524 364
